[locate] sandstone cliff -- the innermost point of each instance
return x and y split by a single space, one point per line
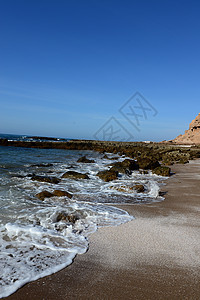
192 135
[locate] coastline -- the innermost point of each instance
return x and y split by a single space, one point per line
155 256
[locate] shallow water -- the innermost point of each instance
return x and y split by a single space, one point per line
33 243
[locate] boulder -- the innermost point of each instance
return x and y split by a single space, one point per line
162 171
147 163
125 166
84 159
75 175
48 179
108 175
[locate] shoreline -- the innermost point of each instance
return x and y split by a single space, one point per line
155 256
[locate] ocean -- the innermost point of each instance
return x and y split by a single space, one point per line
34 241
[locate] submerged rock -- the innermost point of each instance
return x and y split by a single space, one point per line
75 175
67 218
44 194
42 165
139 188
108 175
84 159
59 193
48 179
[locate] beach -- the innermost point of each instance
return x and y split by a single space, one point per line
155 256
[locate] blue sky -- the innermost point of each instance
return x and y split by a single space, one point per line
67 67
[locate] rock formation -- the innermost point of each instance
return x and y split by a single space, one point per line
192 135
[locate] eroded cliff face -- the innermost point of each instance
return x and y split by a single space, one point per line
192 135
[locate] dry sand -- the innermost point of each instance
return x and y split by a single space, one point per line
155 256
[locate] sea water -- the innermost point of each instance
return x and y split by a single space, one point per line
33 243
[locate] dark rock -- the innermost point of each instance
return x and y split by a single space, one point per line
42 165
84 159
125 166
139 188
105 157
59 193
67 218
108 175
53 180
147 163
44 194
162 171
75 175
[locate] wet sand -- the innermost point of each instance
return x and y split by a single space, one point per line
155 256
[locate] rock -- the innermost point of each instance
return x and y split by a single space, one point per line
59 193
75 175
67 218
53 180
105 157
44 194
147 163
42 165
129 189
108 175
192 135
162 171
183 161
84 159
139 188
125 166
176 156
120 169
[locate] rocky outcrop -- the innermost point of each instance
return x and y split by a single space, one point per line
192 135
75 175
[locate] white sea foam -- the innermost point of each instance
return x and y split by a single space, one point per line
33 242
37 245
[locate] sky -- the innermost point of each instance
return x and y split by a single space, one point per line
124 70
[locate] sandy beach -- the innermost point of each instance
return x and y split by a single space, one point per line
155 256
